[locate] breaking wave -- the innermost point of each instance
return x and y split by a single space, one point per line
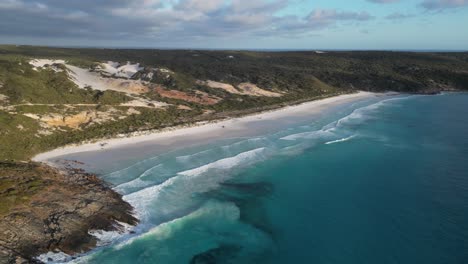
339 140
212 224
226 163
343 125
165 190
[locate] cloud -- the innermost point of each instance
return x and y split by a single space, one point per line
333 15
443 4
321 18
163 21
201 5
383 1
399 16
257 5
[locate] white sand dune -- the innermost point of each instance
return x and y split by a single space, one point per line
44 62
39 63
85 78
242 89
115 69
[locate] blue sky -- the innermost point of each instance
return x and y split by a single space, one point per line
238 24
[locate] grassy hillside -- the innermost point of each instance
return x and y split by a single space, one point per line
32 102
293 71
23 84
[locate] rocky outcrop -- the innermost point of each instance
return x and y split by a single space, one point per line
73 121
45 210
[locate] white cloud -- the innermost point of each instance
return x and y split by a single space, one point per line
159 20
399 16
443 4
383 1
201 5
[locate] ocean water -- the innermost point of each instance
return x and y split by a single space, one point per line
381 180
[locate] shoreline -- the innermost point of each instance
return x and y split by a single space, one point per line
214 128
113 149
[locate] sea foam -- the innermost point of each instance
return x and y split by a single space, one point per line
340 140
226 163
330 130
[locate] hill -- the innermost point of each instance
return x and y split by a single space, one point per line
55 96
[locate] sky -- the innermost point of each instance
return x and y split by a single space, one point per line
238 24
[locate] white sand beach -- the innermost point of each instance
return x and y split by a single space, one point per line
200 132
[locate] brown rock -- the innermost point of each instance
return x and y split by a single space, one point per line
54 210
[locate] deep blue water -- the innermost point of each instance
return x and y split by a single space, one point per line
378 181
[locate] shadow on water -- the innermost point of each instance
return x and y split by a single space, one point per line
217 255
248 197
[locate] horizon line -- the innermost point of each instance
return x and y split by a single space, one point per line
231 49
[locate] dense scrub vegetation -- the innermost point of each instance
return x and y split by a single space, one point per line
292 71
17 185
299 76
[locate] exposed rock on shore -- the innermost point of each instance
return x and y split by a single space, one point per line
44 210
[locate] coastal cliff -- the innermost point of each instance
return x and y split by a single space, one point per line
44 209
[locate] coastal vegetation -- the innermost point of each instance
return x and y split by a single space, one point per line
77 95
298 76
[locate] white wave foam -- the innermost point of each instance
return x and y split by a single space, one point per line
187 158
129 168
228 211
140 198
357 116
224 164
361 113
293 150
240 144
340 140
54 257
176 193
150 170
140 183
324 132
107 237
210 224
136 183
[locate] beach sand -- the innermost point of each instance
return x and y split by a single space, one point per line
131 147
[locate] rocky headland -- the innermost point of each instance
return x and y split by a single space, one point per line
44 209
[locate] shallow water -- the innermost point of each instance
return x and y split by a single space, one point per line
381 180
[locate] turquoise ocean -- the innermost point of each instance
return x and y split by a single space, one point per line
379 180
